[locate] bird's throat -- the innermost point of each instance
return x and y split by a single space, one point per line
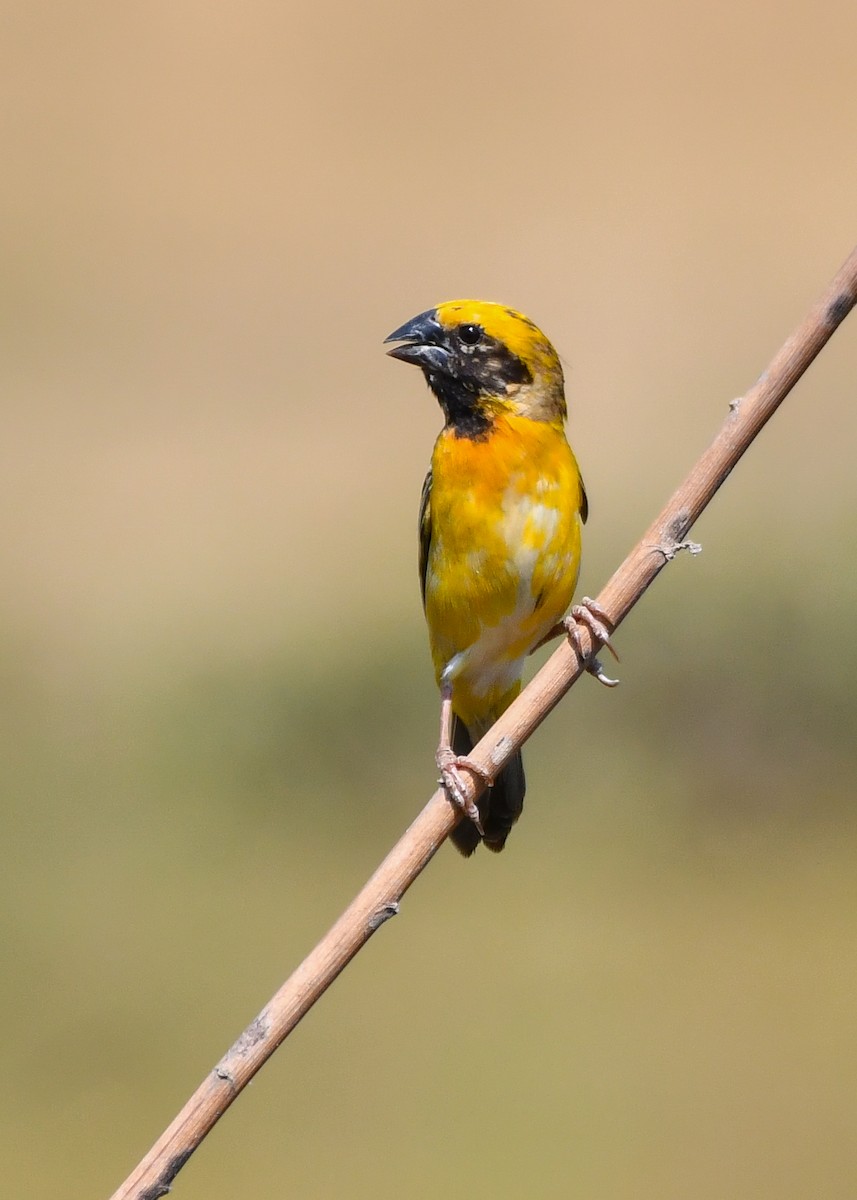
465 411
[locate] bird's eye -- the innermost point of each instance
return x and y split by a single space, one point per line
469 334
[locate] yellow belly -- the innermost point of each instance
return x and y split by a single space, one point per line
503 559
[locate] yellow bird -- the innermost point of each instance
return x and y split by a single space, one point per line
500 521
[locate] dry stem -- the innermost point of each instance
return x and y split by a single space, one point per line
380 898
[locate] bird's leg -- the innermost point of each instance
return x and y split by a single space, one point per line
596 620
450 764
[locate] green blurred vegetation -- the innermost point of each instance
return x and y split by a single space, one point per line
216 705
660 966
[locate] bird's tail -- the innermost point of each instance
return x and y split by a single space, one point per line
499 806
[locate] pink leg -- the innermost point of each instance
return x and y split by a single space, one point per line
596 620
451 764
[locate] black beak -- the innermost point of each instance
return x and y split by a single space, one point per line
424 341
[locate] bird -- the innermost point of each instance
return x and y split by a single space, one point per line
500 520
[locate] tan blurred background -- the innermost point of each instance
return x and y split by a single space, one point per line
218 711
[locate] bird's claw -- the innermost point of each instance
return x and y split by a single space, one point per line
450 766
595 619
595 669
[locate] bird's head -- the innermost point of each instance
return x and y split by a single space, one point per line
483 360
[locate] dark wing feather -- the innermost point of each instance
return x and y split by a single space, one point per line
425 532
584 503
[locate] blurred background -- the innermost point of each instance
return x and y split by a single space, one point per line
218 711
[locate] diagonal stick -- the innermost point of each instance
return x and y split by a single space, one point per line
380 897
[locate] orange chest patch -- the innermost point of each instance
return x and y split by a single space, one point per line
479 486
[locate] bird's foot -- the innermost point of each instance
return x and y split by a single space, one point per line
591 615
450 766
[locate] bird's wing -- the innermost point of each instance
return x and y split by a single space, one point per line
425 532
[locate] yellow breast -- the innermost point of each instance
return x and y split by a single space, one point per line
504 555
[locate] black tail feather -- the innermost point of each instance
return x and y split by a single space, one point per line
499 806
